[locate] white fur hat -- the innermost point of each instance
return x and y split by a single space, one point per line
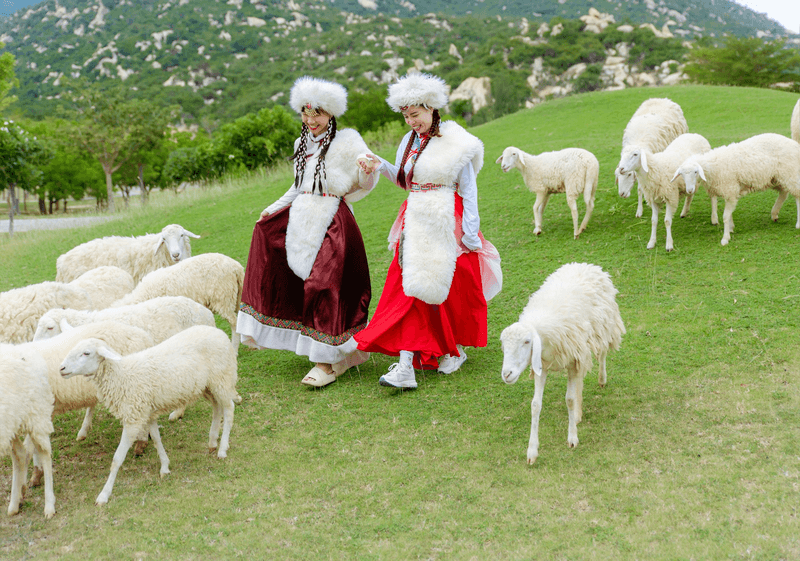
312 93
418 89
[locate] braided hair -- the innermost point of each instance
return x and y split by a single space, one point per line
432 131
300 157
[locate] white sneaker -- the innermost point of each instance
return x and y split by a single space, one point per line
399 376
449 364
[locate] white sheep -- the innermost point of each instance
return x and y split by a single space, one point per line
26 408
573 315
198 361
764 161
572 171
21 308
211 279
137 255
655 174
794 125
657 122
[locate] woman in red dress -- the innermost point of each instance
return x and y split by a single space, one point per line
306 285
443 272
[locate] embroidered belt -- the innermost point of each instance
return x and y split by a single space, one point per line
431 186
322 195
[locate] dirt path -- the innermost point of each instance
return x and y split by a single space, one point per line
28 224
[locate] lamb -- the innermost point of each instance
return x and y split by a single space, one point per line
655 175
764 161
212 279
657 122
795 122
21 308
573 315
26 408
138 256
572 171
138 387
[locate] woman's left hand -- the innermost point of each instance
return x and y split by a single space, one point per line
368 163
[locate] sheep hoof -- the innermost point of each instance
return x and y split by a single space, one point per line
532 455
49 512
36 477
212 450
175 415
81 436
13 511
573 443
138 448
163 474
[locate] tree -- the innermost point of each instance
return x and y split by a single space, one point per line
743 62
20 156
7 78
370 111
111 125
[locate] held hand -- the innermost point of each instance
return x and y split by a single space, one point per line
264 214
368 163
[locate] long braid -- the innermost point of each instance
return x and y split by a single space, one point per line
432 131
319 171
300 167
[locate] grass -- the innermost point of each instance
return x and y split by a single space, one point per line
690 452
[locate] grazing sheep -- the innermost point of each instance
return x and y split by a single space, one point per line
138 256
198 361
764 161
21 308
572 316
657 122
212 279
655 175
26 408
795 123
572 171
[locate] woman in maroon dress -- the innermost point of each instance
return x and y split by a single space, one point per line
434 301
307 286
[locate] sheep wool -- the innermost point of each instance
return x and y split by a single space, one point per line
26 408
21 308
572 316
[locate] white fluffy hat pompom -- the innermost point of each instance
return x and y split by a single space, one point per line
418 89
313 93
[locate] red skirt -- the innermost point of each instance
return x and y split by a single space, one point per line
316 317
405 323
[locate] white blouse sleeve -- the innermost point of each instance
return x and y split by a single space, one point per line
389 171
287 199
471 221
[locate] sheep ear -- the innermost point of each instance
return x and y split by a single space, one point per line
677 173
64 325
161 240
500 159
643 161
105 352
521 159
702 175
188 233
536 353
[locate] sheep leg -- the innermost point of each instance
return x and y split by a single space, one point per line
216 420
86 425
602 377
797 202
573 208
537 214
45 453
574 404
126 441
227 424
639 205
776 208
162 454
38 472
589 200
687 203
714 215
177 414
536 409
19 464
653 225
727 220
668 213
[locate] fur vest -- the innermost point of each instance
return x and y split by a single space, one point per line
429 244
311 215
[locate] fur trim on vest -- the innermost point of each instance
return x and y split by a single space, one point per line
311 215
430 248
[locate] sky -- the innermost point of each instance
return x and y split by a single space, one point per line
785 12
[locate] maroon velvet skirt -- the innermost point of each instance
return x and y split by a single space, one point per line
328 308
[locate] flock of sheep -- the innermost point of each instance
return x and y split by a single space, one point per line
667 161
130 322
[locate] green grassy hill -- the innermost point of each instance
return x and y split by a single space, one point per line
690 451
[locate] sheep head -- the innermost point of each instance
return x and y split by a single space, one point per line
690 170
86 358
175 238
510 158
522 347
47 328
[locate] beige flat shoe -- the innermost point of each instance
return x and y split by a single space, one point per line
318 378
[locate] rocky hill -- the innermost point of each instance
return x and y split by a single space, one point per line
220 59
